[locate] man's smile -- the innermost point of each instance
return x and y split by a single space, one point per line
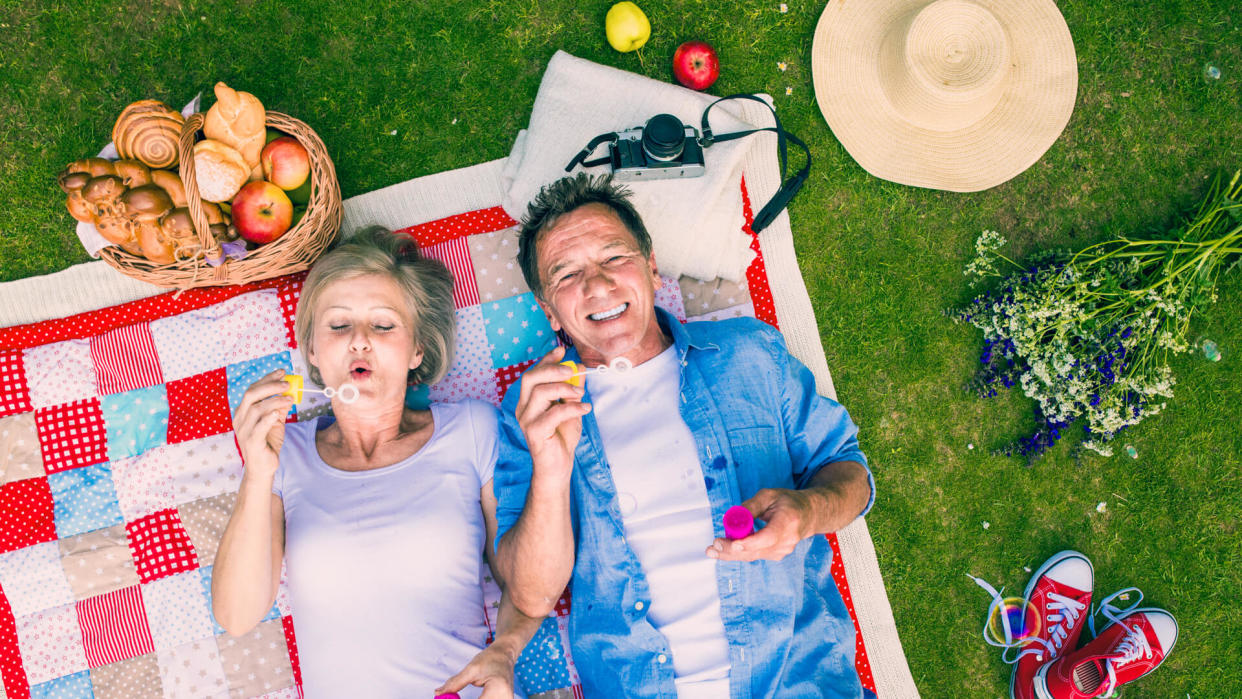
609 314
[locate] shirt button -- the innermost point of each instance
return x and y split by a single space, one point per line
662 658
639 606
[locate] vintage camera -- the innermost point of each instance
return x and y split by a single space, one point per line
663 149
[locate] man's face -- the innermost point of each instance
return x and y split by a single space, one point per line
598 287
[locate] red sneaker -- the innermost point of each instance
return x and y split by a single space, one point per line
1123 652
1045 623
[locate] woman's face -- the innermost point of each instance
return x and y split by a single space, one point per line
364 335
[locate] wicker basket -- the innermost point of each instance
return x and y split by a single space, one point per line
294 251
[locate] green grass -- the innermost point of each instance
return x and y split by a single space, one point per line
881 260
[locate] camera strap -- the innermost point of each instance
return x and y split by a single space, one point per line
789 187
580 158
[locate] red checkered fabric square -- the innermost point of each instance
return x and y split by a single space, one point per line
160 546
198 406
286 622
505 376
14 395
563 604
125 359
289 290
456 256
114 626
29 515
72 435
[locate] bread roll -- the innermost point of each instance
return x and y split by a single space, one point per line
237 119
148 130
219 170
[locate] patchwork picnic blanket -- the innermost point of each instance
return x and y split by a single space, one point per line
118 469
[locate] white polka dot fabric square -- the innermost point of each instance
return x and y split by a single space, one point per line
205 468
50 643
251 326
668 297
496 271
186 344
177 610
144 483
33 579
60 372
192 670
471 352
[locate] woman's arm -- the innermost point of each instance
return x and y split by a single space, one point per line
492 668
246 574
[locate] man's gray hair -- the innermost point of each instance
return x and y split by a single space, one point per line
563 196
425 283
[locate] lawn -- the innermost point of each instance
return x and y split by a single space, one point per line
402 89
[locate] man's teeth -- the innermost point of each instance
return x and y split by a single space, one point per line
610 313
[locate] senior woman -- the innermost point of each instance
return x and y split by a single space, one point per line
382 511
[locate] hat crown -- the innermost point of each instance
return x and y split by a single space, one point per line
944 65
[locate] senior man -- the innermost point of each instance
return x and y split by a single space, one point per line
620 486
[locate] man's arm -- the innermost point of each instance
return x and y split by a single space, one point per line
833 484
535 549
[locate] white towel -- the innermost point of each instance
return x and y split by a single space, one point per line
695 224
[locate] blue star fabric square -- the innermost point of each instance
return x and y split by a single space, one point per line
517 330
75 686
136 421
242 374
541 667
84 499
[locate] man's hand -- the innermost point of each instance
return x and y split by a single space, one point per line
790 517
836 495
491 669
550 411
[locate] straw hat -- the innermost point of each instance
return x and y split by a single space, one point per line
947 94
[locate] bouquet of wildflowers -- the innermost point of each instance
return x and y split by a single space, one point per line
1088 335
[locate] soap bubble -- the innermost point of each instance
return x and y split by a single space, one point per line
1022 617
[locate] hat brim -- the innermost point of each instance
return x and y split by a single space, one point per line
1036 100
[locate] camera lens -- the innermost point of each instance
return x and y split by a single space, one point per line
663 137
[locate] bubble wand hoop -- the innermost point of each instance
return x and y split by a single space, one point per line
620 365
347 392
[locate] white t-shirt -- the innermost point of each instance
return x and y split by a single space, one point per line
666 514
385 565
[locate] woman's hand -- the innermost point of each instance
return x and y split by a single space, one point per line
491 669
260 423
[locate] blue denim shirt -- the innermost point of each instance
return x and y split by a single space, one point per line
758 423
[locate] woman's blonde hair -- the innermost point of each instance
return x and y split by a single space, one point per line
426 284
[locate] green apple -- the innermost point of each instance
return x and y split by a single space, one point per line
627 27
273 134
301 195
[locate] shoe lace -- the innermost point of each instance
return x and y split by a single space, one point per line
1112 612
1133 645
1063 613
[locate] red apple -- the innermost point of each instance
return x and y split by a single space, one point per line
286 163
695 65
262 212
